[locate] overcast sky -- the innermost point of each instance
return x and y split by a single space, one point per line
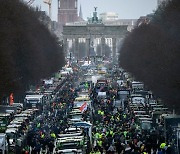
127 9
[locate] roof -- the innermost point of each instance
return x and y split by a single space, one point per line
82 98
11 130
34 96
83 124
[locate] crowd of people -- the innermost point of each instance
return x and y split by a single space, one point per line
117 130
53 119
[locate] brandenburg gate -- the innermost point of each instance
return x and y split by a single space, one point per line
93 29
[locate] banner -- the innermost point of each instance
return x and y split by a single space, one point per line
83 107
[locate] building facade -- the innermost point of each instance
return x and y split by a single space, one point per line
94 33
67 11
108 16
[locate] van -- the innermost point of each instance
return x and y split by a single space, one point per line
4 121
14 139
69 151
22 115
142 116
12 136
82 98
145 119
136 85
64 74
139 112
146 125
72 121
17 126
69 70
34 101
102 95
138 100
157 105
161 109
18 105
69 135
72 130
69 143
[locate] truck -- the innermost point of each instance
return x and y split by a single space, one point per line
136 85
34 101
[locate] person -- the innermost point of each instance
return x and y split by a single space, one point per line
99 145
25 150
163 145
37 148
169 150
111 149
160 151
92 152
119 147
53 135
38 125
8 140
96 150
128 149
51 147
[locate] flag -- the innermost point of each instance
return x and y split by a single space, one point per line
11 99
83 107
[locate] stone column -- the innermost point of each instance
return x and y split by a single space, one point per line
103 46
76 53
73 47
114 48
65 46
59 4
87 47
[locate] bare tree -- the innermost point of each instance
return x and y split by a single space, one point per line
151 53
28 51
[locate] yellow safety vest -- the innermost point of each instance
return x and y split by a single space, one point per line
38 125
81 142
97 135
162 146
53 135
107 133
102 113
42 136
125 133
100 136
99 143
